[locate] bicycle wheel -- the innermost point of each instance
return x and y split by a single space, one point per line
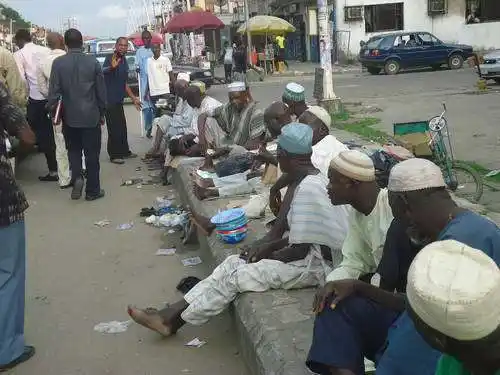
469 183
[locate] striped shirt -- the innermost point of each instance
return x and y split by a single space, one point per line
313 219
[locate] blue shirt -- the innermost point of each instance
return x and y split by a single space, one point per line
141 60
407 353
115 80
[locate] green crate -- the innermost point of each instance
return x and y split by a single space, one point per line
404 128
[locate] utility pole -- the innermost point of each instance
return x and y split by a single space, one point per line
330 101
249 35
12 35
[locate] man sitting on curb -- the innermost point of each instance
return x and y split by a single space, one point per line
453 298
275 261
356 319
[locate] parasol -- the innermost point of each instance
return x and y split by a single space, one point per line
193 21
136 38
263 25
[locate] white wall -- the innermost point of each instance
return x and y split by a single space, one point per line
449 28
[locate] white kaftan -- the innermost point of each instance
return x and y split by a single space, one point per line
312 220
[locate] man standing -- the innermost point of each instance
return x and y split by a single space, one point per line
55 42
141 59
77 79
280 40
160 76
28 59
10 77
228 61
115 70
13 350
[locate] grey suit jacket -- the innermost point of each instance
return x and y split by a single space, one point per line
77 78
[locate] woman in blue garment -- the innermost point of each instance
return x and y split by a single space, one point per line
141 58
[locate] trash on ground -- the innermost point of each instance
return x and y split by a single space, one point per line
102 223
170 251
125 226
138 169
492 173
171 231
168 220
112 327
196 343
132 181
163 202
189 262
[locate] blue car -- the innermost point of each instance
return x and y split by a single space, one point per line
402 50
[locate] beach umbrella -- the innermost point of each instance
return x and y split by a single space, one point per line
264 25
193 21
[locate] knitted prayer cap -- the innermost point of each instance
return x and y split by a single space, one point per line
354 165
415 174
296 138
294 92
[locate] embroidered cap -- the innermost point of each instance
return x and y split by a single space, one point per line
200 85
355 165
294 92
237 87
296 138
455 290
321 114
415 174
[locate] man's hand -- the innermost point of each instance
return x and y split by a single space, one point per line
339 290
137 103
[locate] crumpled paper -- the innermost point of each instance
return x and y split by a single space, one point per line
112 327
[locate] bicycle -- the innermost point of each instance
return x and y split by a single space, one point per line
453 170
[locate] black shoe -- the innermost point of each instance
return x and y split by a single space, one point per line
118 161
29 351
131 156
77 189
95 197
49 178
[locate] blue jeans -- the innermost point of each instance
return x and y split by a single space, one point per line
12 291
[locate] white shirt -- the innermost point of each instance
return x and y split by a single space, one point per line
324 151
28 60
364 244
158 75
44 70
208 105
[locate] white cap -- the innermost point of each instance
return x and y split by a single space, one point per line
184 77
455 290
295 87
354 165
321 114
237 87
415 174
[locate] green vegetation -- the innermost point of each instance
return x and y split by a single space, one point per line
482 171
8 13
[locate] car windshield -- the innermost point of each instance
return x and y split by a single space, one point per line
374 43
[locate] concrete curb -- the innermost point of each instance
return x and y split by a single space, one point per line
274 328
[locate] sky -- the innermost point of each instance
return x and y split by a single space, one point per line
94 17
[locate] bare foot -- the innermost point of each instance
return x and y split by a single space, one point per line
206 182
204 193
203 223
151 319
208 165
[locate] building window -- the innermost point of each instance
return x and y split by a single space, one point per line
477 11
383 17
435 7
353 13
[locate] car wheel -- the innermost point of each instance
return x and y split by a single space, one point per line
392 67
456 61
374 71
497 80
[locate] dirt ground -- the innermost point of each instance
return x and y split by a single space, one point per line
80 275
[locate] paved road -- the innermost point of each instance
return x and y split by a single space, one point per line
80 275
415 96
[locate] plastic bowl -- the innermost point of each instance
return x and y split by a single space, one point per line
233 225
228 216
233 238
241 229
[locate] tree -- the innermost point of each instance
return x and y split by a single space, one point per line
11 14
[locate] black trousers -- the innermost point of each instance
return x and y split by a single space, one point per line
41 125
228 71
87 140
282 57
117 132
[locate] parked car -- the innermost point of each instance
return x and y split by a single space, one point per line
490 68
401 50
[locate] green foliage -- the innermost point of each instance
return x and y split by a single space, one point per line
12 14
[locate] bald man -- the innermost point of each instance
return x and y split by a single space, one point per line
276 116
55 42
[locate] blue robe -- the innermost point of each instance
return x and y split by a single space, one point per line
141 60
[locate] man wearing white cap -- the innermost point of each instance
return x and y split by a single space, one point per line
239 122
368 321
167 126
454 300
295 98
276 261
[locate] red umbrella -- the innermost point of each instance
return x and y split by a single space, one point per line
193 21
136 38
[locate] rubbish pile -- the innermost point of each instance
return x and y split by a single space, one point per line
165 214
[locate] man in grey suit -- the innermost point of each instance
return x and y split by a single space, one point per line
77 79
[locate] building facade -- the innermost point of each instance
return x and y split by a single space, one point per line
473 22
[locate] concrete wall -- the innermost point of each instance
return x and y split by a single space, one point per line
450 27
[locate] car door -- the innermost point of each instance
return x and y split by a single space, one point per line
408 54
434 52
